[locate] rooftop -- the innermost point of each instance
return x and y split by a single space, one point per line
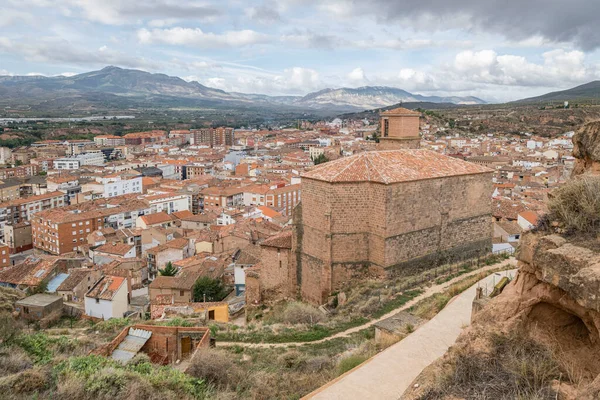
106 287
393 166
40 299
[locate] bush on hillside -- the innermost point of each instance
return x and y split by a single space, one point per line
301 313
576 205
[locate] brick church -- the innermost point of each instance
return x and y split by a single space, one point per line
383 213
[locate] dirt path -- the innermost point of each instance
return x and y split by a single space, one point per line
427 293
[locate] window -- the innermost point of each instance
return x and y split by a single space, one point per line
181 292
97 301
386 127
74 233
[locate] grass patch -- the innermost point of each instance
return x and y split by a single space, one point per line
347 363
515 367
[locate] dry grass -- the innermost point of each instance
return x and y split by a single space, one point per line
515 367
217 368
576 205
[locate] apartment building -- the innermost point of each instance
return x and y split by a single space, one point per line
20 210
284 198
168 202
221 136
19 172
219 197
76 162
109 140
116 185
65 230
141 138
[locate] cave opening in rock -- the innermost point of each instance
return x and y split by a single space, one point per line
574 343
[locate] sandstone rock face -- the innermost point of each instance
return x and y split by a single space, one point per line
554 300
587 149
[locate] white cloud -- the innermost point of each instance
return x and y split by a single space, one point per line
357 76
11 17
195 37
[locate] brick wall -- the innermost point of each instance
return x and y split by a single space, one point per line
349 231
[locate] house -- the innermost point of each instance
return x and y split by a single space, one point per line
33 271
156 236
174 250
164 307
199 221
243 259
179 287
109 251
527 220
152 220
107 298
40 307
508 231
78 283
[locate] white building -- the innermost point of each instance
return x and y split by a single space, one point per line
107 298
5 155
75 162
117 186
169 202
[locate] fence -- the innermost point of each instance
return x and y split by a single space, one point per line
445 273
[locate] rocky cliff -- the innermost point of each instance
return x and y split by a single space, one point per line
539 339
586 148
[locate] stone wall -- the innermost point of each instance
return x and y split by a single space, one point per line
350 231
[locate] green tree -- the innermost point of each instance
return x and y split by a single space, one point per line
209 289
320 159
168 270
18 163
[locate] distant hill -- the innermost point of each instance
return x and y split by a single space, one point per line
588 91
113 87
368 97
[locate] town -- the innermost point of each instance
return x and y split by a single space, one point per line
170 233
299 200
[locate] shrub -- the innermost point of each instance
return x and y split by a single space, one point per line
515 367
112 324
37 346
301 313
215 367
13 360
9 328
28 381
347 363
106 384
577 205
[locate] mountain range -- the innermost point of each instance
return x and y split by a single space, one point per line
118 87
587 91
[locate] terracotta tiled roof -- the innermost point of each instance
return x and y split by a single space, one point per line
75 277
268 212
156 218
400 110
393 166
184 280
183 214
119 249
30 272
106 287
282 240
530 216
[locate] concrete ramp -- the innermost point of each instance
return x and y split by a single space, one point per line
131 345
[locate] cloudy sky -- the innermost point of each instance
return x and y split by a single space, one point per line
497 50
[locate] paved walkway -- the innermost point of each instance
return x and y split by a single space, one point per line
388 374
427 293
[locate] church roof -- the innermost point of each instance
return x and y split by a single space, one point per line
400 110
393 166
